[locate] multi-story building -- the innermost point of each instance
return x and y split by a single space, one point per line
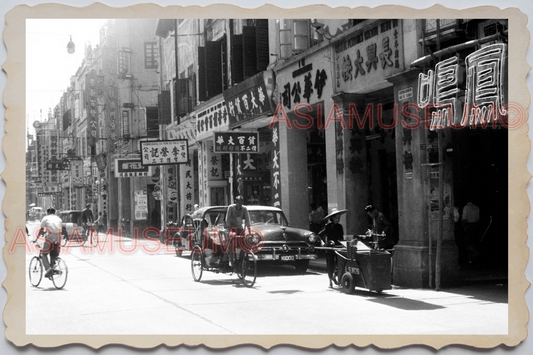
289 112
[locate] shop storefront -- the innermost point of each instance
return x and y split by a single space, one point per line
213 168
305 127
248 143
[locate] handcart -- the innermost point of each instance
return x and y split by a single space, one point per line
359 265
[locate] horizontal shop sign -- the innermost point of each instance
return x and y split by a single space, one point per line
130 167
236 142
43 194
165 152
57 165
428 146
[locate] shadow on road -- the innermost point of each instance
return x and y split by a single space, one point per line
400 302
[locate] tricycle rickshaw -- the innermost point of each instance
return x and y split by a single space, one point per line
215 252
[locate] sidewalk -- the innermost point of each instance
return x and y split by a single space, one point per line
467 276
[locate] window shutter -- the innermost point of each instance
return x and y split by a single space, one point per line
183 96
213 63
152 123
250 56
202 90
237 59
165 115
262 49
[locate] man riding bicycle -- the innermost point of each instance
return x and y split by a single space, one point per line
86 217
51 226
235 215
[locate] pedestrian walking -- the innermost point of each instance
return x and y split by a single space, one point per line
331 235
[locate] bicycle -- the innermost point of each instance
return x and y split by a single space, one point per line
59 270
91 234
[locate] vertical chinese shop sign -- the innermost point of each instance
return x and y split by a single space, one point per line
92 108
276 183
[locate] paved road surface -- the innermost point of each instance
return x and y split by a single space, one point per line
113 291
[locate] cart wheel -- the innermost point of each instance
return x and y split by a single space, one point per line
347 283
197 263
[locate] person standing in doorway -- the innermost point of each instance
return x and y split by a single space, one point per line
380 225
470 220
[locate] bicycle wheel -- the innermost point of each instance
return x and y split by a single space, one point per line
60 273
197 264
36 271
248 269
94 237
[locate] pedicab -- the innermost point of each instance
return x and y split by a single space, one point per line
214 252
361 264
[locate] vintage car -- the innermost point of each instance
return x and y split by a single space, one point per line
276 240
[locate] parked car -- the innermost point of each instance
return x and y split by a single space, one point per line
36 213
71 220
279 242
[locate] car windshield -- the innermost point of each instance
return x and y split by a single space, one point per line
268 217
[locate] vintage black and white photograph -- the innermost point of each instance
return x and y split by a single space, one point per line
322 180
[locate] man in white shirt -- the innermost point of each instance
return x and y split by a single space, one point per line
51 226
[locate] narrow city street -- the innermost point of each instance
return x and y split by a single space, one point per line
123 287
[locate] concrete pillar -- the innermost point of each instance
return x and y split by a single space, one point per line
293 175
350 165
414 260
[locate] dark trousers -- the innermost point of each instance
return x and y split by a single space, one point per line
330 263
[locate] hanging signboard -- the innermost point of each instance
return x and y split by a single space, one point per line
236 142
128 167
141 205
76 173
164 152
250 98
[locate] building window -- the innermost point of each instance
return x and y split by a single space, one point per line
123 62
150 55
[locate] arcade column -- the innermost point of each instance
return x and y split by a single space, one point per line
350 164
418 179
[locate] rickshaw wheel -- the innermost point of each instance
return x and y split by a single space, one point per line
197 263
347 283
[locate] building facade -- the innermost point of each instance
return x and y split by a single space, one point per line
407 115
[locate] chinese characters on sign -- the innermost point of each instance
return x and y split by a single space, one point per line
141 205
247 99
372 52
304 86
276 187
165 152
212 118
186 188
92 108
236 142
214 163
443 89
76 173
130 168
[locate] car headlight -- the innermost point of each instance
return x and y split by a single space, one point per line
253 238
312 237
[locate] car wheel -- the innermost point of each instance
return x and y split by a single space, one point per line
301 265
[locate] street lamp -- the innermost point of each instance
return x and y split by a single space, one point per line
71 47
